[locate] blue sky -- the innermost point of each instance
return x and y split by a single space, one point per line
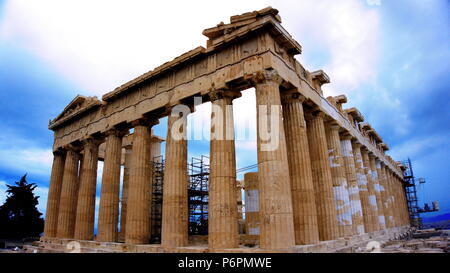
391 59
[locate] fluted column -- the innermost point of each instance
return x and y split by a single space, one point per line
84 223
222 204
277 223
69 192
392 199
395 200
390 218
389 199
340 187
139 185
377 188
352 182
124 197
303 200
382 193
385 194
398 202
363 188
323 185
371 189
404 205
109 196
175 215
54 194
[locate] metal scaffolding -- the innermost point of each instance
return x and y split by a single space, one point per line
198 170
410 187
156 207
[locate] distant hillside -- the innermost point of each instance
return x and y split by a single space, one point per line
437 218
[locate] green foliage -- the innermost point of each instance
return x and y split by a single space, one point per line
19 216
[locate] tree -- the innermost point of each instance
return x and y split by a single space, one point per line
19 217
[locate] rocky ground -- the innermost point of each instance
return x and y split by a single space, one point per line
420 241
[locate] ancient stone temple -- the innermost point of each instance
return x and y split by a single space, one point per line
326 184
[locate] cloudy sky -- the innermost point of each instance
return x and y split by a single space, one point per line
391 59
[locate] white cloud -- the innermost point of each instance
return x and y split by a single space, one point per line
102 44
347 31
416 147
35 161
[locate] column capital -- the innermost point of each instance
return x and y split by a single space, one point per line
91 140
169 108
74 147
59 151
144 122
356 144
264 76
347 136
291 96
314 113
333 125
217 94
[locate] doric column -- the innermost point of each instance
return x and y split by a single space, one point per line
376 185
140 185
385 194
404 205
222 204
352 182
303 201
276 217
124 197
109 196
394 200
363 189
54 194
252 203
69 193
382 180
323 185
389 198
175 215
84 223
398 201
339 178
371 189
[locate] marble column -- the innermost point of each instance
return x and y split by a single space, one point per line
352 182
69 193
175 211
339 178
323 185
276 216
391 197
363 189
396 201
303 200
124 197
389 200
108 213
404 205
222 206
376 185
140 185
84 223
371 189
54 194
384 193
252 203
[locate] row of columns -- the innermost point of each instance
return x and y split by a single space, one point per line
317 183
